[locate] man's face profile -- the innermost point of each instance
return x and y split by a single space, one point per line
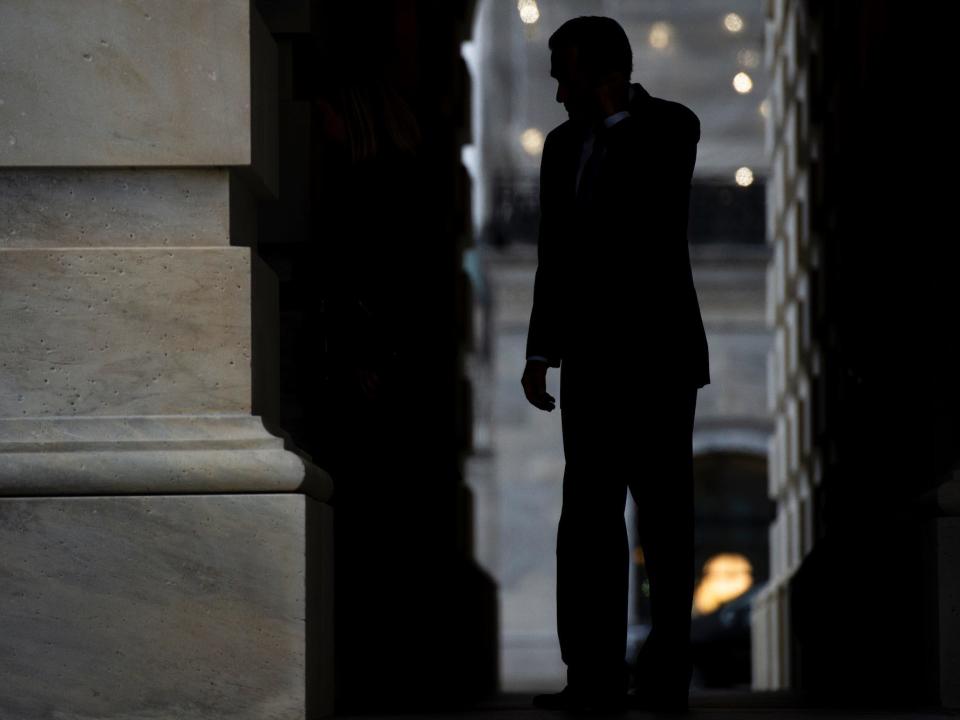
574 90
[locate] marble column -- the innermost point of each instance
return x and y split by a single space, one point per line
167 550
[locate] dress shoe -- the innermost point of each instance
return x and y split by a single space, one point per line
574 701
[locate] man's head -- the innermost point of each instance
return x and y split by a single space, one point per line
592 61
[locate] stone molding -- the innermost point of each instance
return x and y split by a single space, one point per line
151 455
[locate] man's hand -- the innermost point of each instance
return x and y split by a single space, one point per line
535 385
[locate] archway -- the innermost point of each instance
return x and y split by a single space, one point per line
711 61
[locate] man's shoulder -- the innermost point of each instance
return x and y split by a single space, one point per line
675 117
564 133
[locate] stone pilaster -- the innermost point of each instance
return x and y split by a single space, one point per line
168 551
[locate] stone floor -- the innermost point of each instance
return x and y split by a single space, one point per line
704 705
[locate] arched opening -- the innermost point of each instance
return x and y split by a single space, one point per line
710 59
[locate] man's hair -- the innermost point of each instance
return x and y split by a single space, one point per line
603 45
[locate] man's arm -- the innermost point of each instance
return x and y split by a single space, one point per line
543 335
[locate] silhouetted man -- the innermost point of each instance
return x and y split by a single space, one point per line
616 310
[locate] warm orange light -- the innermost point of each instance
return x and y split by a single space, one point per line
725 576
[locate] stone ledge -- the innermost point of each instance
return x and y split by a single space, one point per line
151 455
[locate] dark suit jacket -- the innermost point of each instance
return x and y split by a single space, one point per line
613 278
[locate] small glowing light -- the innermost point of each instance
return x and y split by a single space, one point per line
764 108
725 577
531 140
744 177
748 58
742 83
660 34
529 12
733 22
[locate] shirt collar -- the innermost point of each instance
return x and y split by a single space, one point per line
615 118
612 120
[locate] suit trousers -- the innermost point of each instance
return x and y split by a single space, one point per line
614 440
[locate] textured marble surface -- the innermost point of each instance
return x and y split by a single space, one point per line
127 207
125 331
151 82
143 608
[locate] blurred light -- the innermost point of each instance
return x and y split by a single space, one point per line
532 141
765 108
660 34
529 12
725 576
748 58
744 177
733 22
742 83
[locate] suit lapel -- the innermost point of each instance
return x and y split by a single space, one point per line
568 166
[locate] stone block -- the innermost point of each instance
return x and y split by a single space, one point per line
156 82
107 207
110 331
190 607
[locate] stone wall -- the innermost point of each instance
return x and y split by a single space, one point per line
167 555
793 468
861 609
